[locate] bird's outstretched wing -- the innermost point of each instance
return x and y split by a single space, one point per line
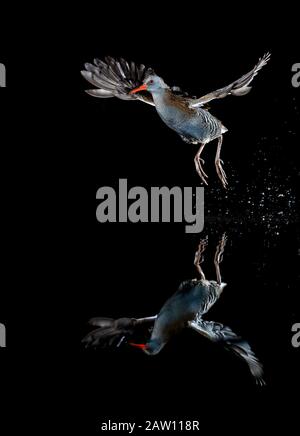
217 332
114 332
238 87
116 78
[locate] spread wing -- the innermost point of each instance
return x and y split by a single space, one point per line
238 87
113 332
116 78
217 332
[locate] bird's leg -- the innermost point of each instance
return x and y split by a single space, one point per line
218 163
219 257
198 165
199 257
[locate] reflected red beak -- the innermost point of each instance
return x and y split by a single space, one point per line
140 346
140 88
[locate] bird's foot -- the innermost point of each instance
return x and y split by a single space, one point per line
221 173
223 241
201 247
200 170
220 249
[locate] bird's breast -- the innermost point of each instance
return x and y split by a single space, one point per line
192 123
172 115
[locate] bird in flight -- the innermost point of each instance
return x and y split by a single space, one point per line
184 309
188 116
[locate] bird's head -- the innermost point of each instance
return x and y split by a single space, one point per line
152 347
152 83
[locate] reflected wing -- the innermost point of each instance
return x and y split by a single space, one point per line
116 78
239 87
217 332
114 332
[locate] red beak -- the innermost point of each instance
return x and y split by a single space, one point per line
140 88
140 346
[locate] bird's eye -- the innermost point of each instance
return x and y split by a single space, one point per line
151 81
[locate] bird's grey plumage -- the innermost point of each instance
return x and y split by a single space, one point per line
116 78
223 335
186 115
185 308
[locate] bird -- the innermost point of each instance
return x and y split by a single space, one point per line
184 309
187 116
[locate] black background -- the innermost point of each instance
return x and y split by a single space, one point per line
68 144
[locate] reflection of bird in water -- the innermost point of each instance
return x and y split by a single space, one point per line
184 114
185 308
